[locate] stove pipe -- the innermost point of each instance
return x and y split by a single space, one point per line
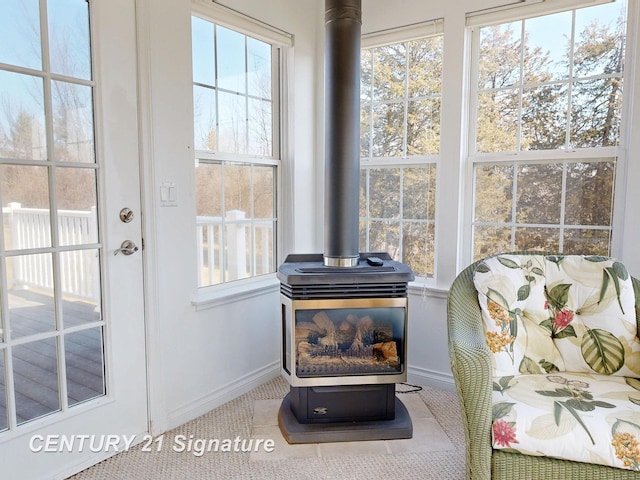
343 22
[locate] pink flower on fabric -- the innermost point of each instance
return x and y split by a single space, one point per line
562 319
504 433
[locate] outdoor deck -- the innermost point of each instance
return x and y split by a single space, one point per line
36 367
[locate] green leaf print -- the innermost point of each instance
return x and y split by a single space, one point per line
596 258
529 366
579 399
620 270
548 366
633 382
558 295
501 409
602 351
523 292
482 268
507 262
502 384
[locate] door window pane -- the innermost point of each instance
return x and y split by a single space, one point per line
20 34
24 195
22 131
30 290
70 53
85 365
35 378
73 122
80 287
77 212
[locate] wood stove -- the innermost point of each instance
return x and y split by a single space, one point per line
344 337
344 313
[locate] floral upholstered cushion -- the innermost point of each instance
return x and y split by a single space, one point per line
511 293
574 416
593 302
544 314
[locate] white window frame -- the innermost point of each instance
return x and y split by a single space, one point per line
281 47
403 34
529 9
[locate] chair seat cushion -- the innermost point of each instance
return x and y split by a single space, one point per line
583 417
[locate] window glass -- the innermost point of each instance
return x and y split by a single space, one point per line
551 84
236 167
400 97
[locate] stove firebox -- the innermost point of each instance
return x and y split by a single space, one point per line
344 335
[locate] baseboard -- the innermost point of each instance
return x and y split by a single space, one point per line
431 378
222 395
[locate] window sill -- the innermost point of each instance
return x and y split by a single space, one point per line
427 289
240 290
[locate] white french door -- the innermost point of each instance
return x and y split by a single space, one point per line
72 338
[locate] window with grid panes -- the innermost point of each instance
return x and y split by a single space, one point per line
237 153
545 145
400 149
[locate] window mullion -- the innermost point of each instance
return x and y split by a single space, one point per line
520 88
570 82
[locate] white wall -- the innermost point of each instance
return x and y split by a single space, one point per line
199 359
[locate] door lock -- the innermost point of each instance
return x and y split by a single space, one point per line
126 215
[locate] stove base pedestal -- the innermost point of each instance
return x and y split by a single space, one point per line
295 432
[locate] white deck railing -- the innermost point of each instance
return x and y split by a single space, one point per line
228 251
30 228
228 248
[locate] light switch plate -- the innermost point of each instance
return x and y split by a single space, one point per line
168 194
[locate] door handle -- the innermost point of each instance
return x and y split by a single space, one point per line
127 248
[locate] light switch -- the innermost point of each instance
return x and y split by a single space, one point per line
168 194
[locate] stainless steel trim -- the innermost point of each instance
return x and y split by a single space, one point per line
341 261
289 345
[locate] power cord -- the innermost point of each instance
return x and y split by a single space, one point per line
412 388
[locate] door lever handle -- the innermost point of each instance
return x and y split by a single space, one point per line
127 248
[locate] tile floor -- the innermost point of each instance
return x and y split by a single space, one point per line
428 436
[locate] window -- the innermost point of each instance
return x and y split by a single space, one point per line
400 147
545 132
237 152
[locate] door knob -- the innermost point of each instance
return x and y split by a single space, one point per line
127 248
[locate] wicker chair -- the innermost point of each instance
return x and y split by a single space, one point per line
472 371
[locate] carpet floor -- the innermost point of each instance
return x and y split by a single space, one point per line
223 444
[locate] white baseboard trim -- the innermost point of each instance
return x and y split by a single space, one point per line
431 378
222 395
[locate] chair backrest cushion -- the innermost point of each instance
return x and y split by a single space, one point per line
553 313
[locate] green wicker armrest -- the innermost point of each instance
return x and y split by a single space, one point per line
472 371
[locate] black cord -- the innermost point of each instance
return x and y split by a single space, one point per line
414 388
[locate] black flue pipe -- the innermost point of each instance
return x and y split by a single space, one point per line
343 25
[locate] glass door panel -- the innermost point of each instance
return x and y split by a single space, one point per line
52 327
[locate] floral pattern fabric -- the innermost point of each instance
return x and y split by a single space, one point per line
566 357
581 417
545 314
